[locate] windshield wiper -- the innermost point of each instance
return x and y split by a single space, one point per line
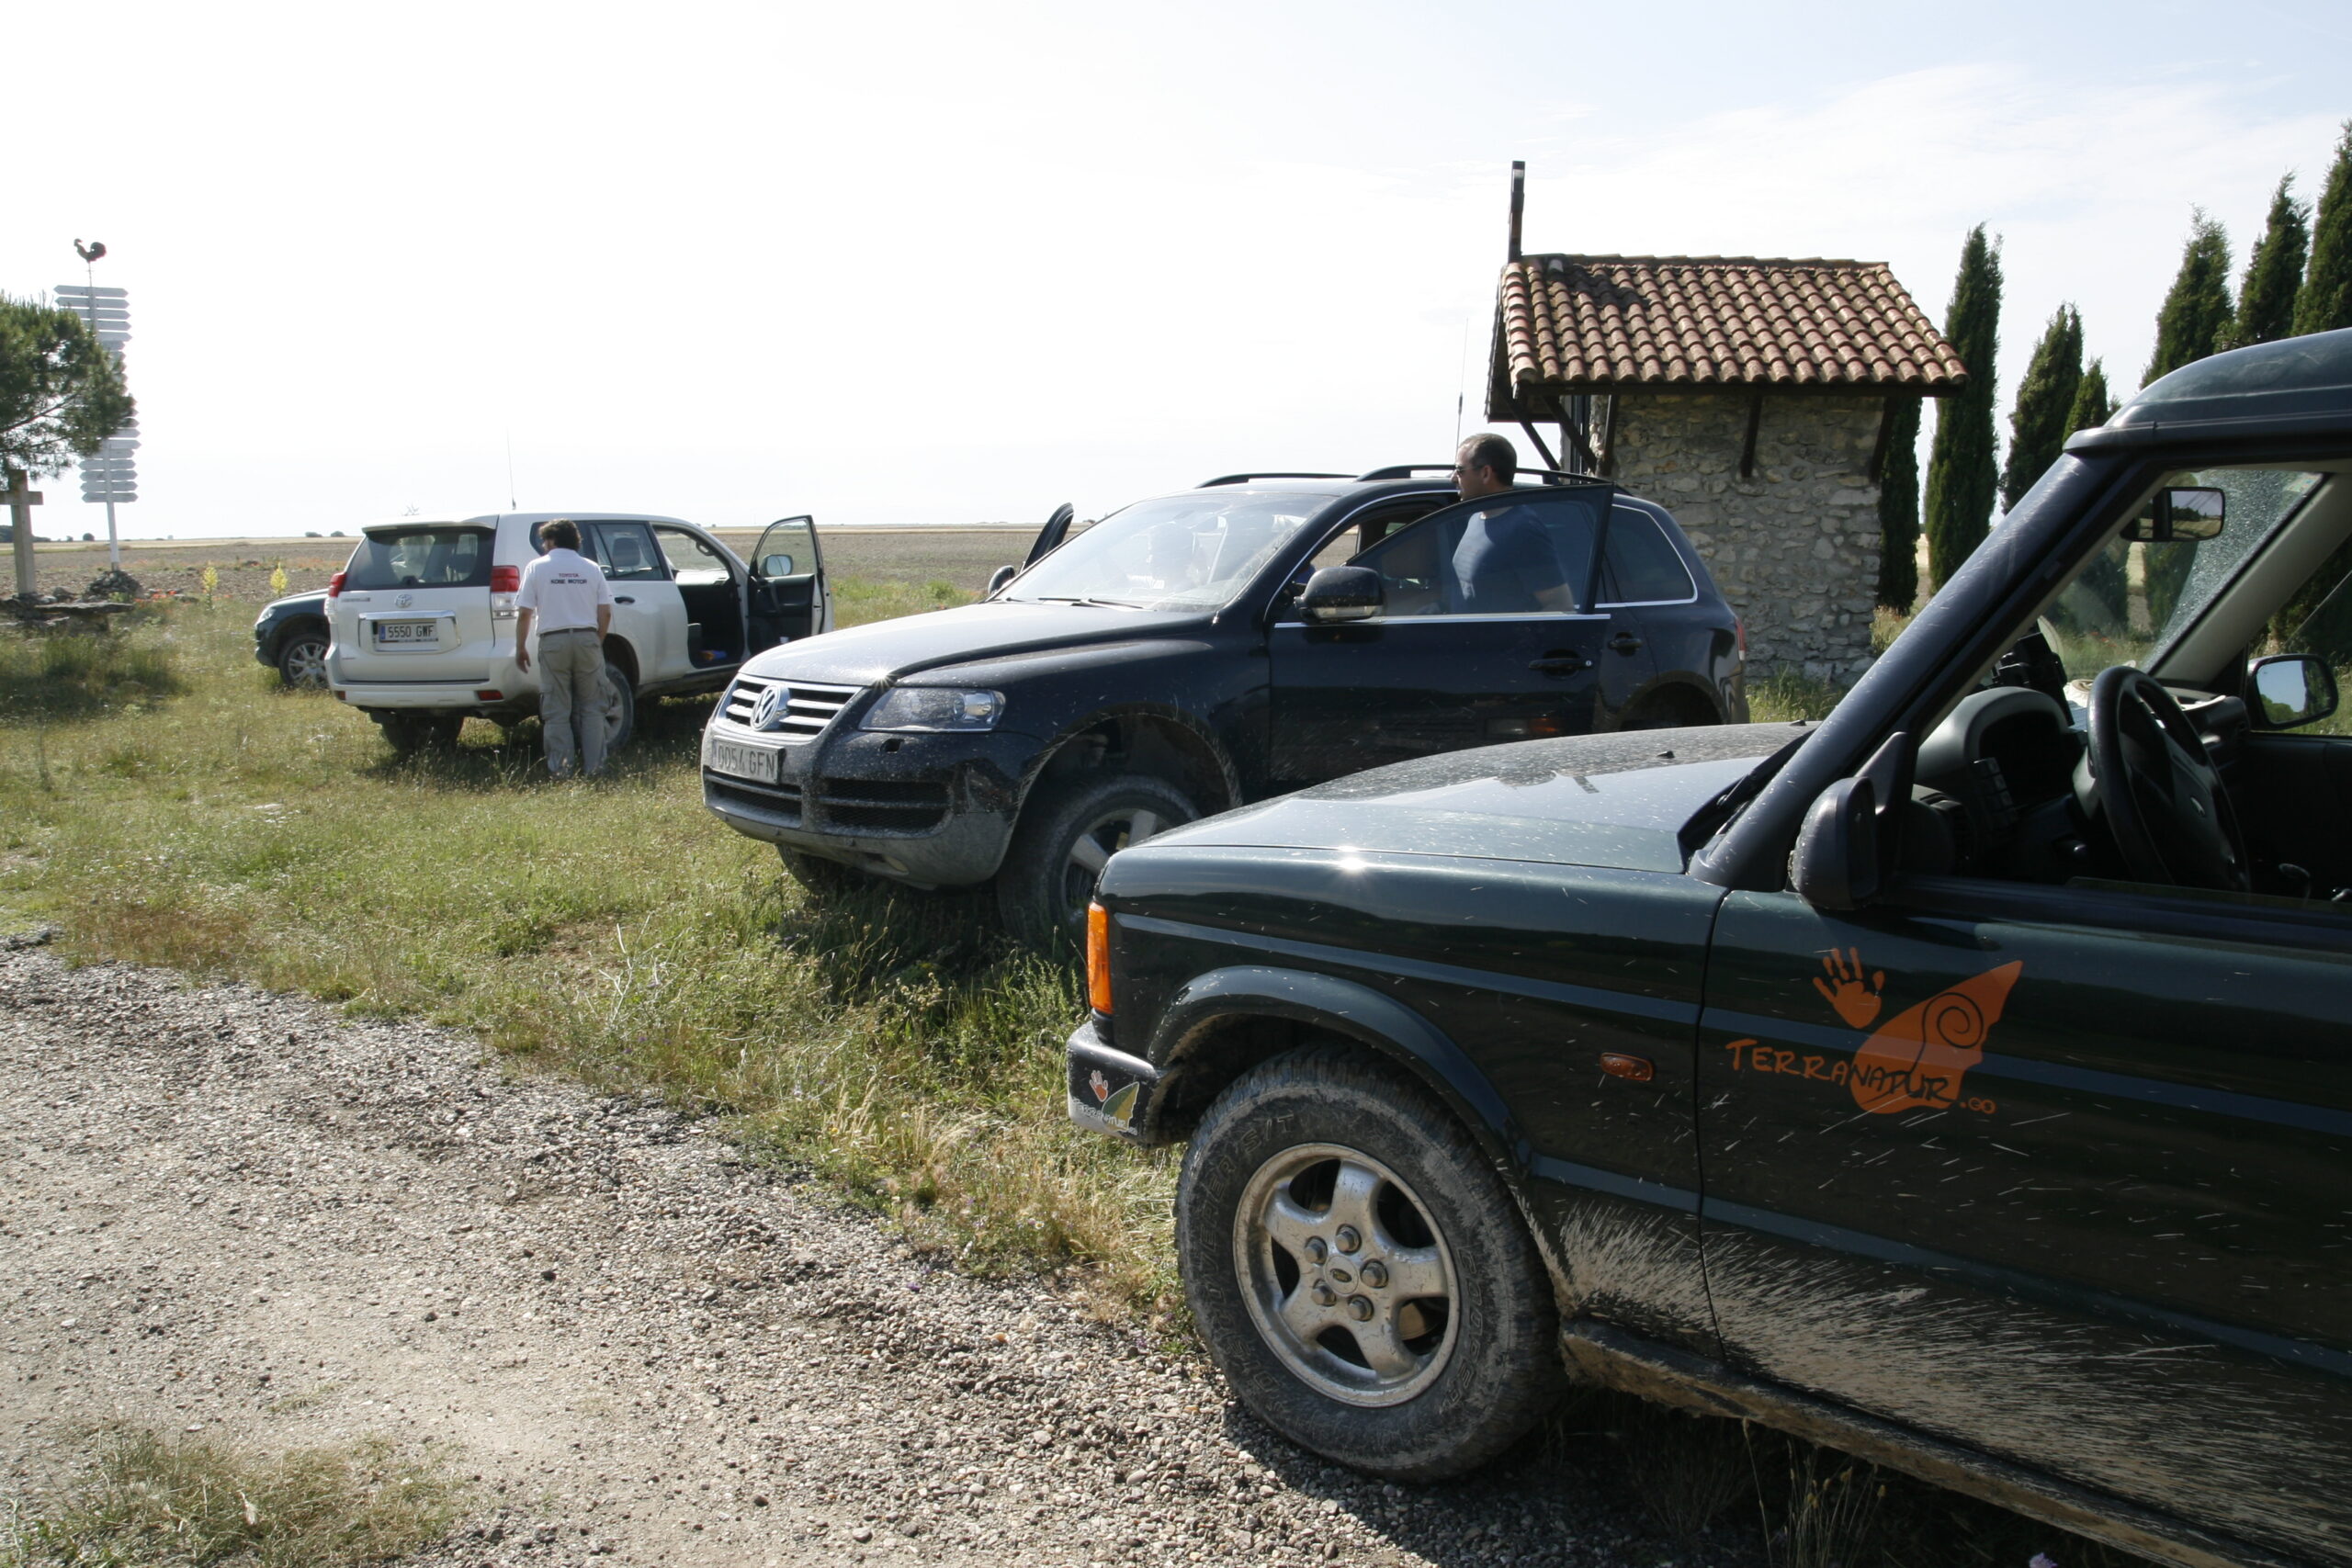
1084 599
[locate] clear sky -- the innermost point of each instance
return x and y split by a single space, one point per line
950 262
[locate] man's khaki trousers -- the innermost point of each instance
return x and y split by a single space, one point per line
571 696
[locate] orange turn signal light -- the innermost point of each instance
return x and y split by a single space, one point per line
1098 958
1617 1065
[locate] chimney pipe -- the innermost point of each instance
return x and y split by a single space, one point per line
1518 202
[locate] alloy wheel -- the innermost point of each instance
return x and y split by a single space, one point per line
1092 847
1345 1277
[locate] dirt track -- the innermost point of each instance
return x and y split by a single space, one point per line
243 1213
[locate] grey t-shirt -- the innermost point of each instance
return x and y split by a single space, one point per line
1504 560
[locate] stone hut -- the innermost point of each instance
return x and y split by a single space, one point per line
1752 397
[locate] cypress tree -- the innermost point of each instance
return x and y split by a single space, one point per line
1898 511
2092 407
1963 474
2037 427
2196 311
2325 302
2275 272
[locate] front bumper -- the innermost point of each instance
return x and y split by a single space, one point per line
935 810
1110 1091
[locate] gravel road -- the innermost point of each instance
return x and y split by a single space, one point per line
241 1213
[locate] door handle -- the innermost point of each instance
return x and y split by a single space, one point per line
1560 664
623 599
1626 642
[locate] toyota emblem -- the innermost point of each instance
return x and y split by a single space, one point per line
404 601
771 704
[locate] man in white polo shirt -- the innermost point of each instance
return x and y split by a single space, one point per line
567 595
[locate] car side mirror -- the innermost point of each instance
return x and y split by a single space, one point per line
2292 689
1342 594
2180 512
998 579
1847 851
777 565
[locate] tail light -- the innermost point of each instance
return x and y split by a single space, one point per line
505 578
1098 958
334 584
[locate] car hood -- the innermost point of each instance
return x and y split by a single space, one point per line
994 631
1601 800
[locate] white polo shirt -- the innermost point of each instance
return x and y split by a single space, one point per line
565 587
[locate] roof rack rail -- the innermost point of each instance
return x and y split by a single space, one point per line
1407 470
1245 479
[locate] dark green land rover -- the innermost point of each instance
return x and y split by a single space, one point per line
1963 1081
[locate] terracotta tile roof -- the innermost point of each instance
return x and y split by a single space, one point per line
1596 323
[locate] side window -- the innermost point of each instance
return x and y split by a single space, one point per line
1644 566
1361 534
627 553
1527 553
691 560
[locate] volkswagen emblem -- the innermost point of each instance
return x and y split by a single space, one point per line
404 601
770 707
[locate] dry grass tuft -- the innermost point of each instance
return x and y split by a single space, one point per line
189 1502
1831 1512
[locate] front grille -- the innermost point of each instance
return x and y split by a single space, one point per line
806 710
883 806
777 800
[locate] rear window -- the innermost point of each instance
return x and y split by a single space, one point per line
425 557
1644 566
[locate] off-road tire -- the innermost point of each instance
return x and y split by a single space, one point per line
1500 1372
620 707
302 660
1042 892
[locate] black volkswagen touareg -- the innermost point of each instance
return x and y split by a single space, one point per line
1201 650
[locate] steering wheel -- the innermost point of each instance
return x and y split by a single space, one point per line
2161 797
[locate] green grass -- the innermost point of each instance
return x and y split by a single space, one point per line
891 1042
1785 695
858 598
189 1502
47 676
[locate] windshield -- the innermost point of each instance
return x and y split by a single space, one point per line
1187 552
424 557
2132 599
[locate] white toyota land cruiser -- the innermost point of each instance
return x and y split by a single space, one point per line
423 617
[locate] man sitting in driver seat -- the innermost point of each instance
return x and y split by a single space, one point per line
1504 563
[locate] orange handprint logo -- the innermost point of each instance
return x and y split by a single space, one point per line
1856 1000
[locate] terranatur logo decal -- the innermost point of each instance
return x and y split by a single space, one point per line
1918 1059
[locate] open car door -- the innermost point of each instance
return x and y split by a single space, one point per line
789 598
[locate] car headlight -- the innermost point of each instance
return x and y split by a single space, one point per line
936 707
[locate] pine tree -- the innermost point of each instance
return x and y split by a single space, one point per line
2197 312
2092 407
2275 272
2037 427
60 392
2325 302
1898 511
1962 471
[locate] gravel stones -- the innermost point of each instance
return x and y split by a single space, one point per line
242 1211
